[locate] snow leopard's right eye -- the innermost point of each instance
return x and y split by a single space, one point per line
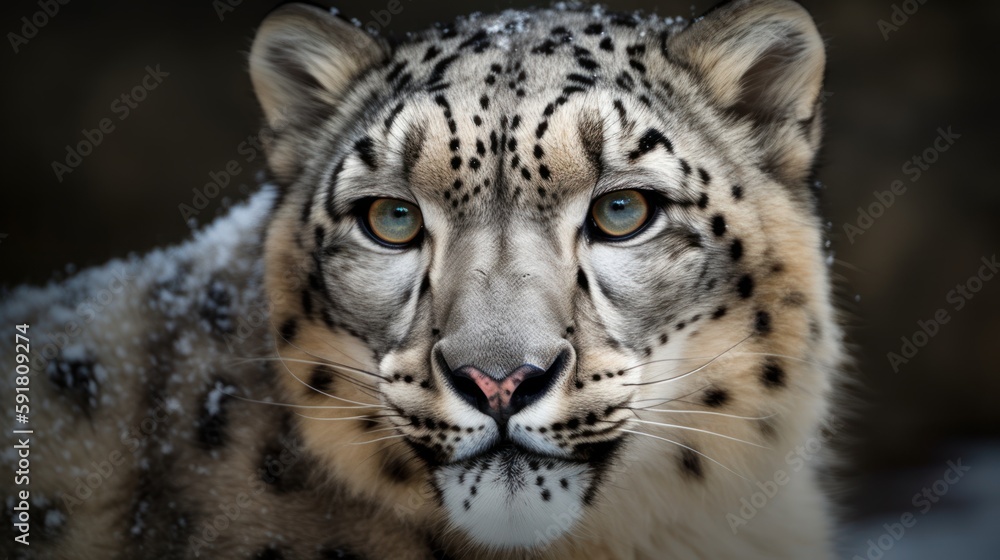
620 214
394 222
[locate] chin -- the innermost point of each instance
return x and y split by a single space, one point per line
509 498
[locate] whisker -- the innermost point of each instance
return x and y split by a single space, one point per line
688 448
284 365
680 427
708 412
360 384
692 372
771 354
347 367
339 418
376 440
381 449
303 405
665 400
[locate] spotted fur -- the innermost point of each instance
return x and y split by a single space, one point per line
633 390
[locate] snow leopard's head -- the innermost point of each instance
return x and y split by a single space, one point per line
524 254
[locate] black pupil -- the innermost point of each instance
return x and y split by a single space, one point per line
399 212
619 204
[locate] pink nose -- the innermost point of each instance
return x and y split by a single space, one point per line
499 393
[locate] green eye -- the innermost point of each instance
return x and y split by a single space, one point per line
620 213
394 221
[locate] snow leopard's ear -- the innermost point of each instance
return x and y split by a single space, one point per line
762 59
302 62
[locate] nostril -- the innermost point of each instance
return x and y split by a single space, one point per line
537 382
468 389
461 382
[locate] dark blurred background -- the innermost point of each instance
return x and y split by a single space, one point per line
893 88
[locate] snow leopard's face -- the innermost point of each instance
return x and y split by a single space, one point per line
526 254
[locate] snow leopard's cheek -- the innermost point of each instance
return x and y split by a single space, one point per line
642 292
373 293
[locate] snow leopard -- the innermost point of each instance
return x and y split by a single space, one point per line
544 283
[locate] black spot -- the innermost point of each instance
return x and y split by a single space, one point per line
620 108
210 426
288 330
587 63
269 553
736 249
307 304
77 377
767 428
397 470
737 192
607 45
745 286
542 127
338 553
543 170
547 47
215 308
477 120
366 152
715 397
484 102
691 463
321 379
280 466
525 173
546 495
637 65
650 140
623 19
593 29
705 178
703 201
762 322
474 163
456 162
479 42
718 225
562 34
719 313
432 52
581 280
396 69
685 167
454 144
440 68
773 375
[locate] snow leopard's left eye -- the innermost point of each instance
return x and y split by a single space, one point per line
620 214
394 222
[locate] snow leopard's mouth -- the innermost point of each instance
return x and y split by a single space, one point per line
511 497
508 496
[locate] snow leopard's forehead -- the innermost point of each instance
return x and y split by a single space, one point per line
517 109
